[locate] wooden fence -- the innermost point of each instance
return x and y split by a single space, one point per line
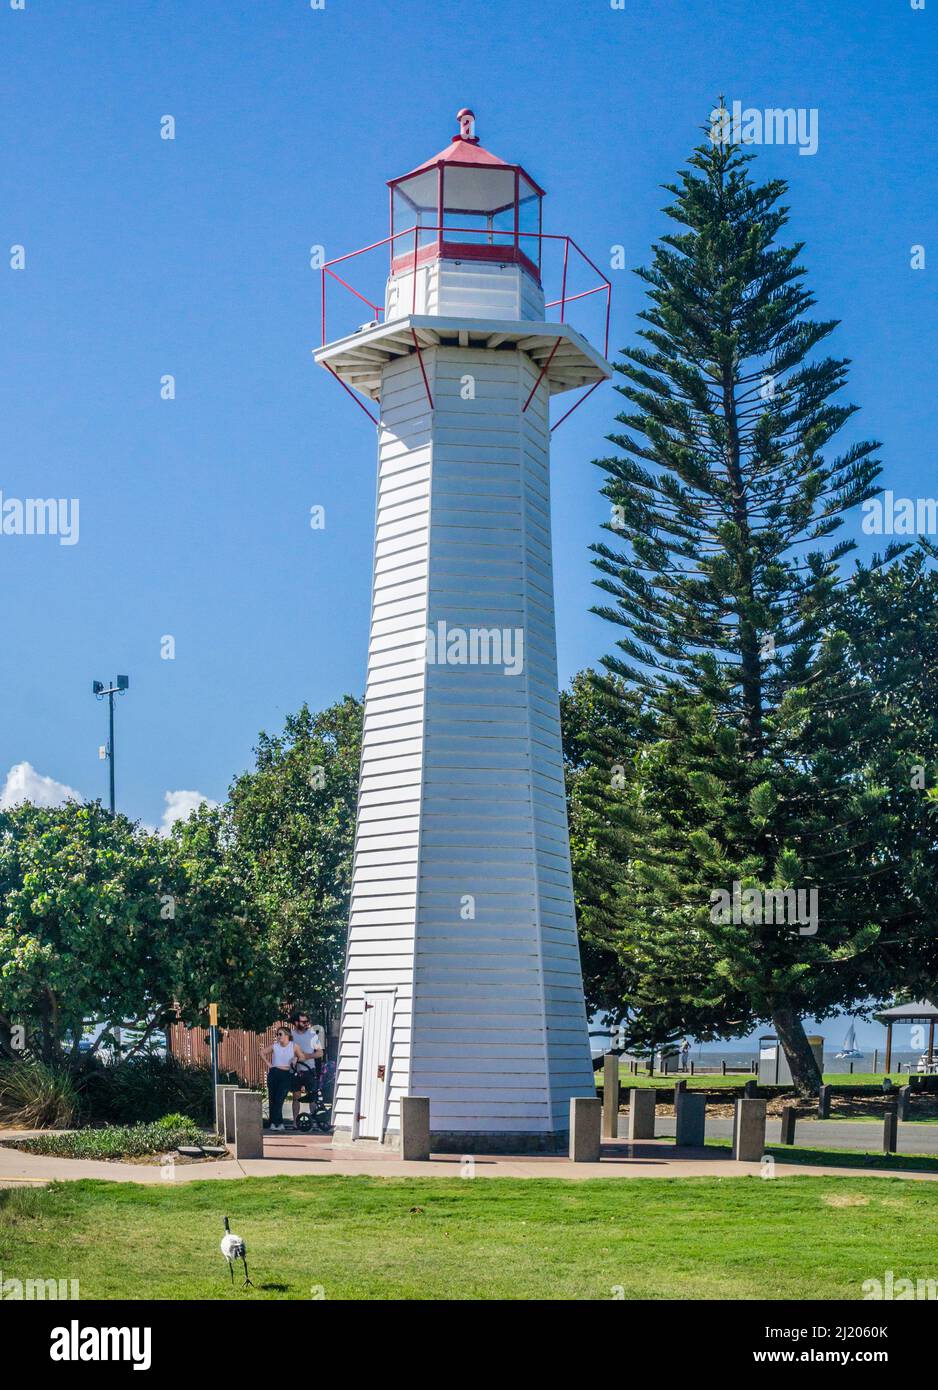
238 1051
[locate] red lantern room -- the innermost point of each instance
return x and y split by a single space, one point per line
466 204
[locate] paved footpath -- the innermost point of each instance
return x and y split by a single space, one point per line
866 1135
307 1156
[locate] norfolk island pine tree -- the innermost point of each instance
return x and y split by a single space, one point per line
723 574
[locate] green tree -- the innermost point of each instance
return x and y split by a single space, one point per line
604 730
293 817
724 505
888 621
102 920
219 942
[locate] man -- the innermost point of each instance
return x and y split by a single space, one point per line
307 1040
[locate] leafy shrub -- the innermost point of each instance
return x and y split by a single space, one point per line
141 1089
176 1121
117 1141
36 1096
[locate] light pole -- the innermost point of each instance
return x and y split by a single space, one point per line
99 690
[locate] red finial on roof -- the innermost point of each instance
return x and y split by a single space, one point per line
467 126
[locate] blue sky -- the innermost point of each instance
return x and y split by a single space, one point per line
191 257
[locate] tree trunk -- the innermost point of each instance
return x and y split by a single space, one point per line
801 1060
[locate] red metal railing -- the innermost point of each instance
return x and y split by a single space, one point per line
418 255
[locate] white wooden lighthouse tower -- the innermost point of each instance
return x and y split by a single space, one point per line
463 978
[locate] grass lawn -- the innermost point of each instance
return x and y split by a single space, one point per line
705 1082
374 1238
843 1158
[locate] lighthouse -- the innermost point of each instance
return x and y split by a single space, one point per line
463 981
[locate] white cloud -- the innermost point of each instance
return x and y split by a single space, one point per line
24 783
180 805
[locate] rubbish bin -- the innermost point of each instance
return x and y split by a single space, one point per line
773 1064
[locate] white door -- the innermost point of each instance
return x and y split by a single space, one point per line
376 1064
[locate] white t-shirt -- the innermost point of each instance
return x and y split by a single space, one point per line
307 1041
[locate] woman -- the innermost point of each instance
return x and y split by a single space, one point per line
281 1057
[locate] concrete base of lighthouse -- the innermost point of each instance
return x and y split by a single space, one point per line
466 1142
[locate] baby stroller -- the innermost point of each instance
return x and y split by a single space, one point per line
318 1097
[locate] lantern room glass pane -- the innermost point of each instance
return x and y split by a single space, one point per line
478 205
529 220
414 204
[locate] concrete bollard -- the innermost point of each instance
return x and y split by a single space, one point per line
824 1102
220 1109
585 1124
789 1115
905 1101
690 1113
229 1114
749 1131
749 1090
642 1101
680 1086
610 1097
415 1127
891 1128
248 1124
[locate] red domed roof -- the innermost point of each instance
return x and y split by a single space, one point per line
465 149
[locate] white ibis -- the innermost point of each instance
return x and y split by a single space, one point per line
233 1248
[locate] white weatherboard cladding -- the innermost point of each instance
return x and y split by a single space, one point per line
465 288
462 793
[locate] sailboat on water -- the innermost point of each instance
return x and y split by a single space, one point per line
849 1048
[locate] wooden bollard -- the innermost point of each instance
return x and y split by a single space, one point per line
824 1102
585 1126
690 1112
891 1128
415 1128
220 1125
642 1113
749 1131
249 1130
610 1096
